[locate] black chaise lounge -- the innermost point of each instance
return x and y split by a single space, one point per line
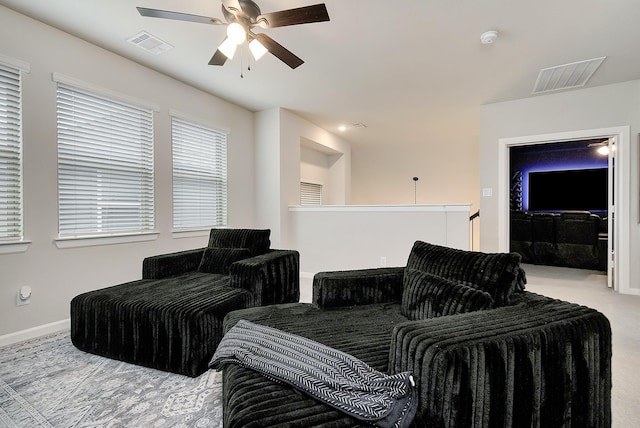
171 319
483 352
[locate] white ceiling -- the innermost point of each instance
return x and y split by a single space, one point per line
412 71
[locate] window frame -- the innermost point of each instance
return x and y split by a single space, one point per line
67 239
306 189
188 137
15 69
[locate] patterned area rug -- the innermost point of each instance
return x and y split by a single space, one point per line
47 382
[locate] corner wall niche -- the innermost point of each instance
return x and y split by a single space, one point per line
321 165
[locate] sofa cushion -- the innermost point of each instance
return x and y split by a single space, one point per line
496 273
256 240
219 260
428 296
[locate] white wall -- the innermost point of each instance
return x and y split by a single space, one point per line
267 166
279 135
607 106
447 169
314 166
56 275
320 165
358 237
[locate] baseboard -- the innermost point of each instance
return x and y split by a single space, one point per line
31 333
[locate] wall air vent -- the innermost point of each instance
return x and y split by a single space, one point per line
149 43
567 76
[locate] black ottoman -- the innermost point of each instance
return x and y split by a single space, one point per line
172 324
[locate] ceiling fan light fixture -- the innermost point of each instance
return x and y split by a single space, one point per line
236 33
257 49
228 48
241 17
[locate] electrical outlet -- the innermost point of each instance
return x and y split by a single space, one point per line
383 261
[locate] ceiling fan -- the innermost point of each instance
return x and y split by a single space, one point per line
242 16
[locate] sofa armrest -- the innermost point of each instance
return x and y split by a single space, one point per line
540 364
358 287
272 278
165 265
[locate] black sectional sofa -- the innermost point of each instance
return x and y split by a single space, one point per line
483 351
171 319
576 239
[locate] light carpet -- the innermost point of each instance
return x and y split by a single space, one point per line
47 382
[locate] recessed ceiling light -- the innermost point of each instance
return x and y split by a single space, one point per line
342 128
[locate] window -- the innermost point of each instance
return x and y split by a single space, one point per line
105 165
199 176
10 154
310 194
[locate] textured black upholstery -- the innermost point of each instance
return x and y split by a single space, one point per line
172 319
364 287
541 363
521 234
577 239
157 323
495 273
255 240
535 362
251 400
428 296
572 239
544 239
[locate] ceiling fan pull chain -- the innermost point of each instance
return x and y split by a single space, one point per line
246 51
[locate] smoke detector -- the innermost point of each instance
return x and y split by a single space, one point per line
488 37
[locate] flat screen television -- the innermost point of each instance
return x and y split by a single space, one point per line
576 189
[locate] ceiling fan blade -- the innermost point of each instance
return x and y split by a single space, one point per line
301 15
157 13
279 51
218 58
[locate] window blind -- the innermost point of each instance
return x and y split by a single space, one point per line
310 194
10 154
199 175
105 165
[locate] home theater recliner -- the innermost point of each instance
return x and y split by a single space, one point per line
171 319
575 239
483 351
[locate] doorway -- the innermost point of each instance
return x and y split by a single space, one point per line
559 203
619 266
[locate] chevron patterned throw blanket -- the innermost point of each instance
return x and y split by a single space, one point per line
331 376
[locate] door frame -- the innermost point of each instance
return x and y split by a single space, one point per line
622 261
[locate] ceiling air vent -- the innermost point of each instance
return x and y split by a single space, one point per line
150 43
567 76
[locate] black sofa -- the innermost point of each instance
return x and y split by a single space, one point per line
575 239
524 360
171 319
